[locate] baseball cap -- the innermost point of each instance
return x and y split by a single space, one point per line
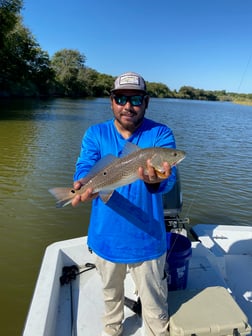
129 81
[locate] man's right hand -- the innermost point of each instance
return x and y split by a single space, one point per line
83 197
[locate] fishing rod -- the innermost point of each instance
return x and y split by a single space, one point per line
244 73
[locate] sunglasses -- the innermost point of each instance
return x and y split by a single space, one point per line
133 100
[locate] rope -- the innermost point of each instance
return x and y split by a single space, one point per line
69 273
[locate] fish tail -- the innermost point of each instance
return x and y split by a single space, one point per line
63 196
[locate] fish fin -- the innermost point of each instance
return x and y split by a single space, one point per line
63 196
105 195
99 165
129 148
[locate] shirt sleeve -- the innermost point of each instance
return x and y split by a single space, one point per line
164 138
89 154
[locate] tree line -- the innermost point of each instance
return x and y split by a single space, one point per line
27 70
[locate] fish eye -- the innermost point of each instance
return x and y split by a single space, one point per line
175 154
105 173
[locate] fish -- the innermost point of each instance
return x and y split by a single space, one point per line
112 172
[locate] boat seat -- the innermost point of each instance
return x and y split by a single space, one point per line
211 311
239 270
204 268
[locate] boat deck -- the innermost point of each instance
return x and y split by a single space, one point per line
77 308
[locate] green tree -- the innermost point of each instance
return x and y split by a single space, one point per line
102 85
187 92
159 90
69 66
25 67
9 10
87 78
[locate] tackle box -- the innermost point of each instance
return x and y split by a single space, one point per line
208 312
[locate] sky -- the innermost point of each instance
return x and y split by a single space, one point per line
206 44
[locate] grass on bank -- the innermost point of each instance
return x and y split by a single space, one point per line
243 102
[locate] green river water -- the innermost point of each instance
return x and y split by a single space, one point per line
39 144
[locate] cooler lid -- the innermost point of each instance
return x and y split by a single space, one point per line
211 311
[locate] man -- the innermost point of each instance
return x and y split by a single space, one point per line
128 232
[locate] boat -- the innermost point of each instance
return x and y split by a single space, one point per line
215 299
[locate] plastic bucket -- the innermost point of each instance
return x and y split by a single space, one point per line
179 252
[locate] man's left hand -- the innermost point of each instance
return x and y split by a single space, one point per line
151 176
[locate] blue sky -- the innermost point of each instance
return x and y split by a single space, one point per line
206 44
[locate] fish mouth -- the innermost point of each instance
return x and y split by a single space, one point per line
177 162
160 174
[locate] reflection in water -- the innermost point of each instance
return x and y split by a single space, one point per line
40 142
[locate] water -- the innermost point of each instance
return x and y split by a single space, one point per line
40 142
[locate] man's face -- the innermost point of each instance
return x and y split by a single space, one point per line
129 108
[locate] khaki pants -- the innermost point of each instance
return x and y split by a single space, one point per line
151 286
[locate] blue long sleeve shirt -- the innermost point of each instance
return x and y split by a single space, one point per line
130 227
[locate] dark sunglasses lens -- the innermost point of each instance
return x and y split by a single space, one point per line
136 100
120 100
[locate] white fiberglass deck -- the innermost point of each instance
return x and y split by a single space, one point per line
77 308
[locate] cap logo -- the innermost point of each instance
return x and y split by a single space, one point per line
129 79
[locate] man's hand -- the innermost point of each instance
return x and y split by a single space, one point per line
85 196
152 176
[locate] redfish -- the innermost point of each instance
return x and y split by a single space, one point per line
111 172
